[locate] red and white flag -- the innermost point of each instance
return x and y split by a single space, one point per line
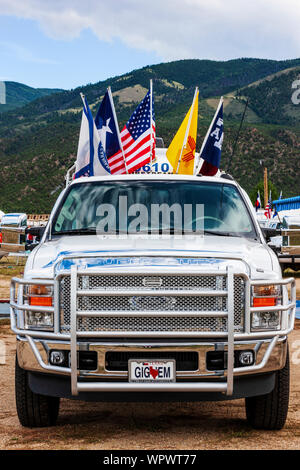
137 139
268 211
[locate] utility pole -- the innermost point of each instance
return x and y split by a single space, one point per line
266 186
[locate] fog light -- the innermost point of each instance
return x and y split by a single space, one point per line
246 358
57 358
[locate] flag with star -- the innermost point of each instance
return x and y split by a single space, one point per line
138 137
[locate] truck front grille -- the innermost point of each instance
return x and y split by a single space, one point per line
151 304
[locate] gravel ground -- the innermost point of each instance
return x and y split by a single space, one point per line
219 425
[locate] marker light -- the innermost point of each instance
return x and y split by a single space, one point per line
266 296
41 301
264 301
41 296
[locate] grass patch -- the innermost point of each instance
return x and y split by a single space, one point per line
12 266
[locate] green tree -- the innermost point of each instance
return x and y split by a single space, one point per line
260 187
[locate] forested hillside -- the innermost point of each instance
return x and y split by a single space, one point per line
38 141
18 94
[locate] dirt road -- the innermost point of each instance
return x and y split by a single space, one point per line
145 426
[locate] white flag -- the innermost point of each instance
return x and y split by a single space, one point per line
91 160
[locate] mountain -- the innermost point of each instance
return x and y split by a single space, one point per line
38 142
18 94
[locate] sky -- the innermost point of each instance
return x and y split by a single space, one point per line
67 43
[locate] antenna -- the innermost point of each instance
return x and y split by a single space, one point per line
237 137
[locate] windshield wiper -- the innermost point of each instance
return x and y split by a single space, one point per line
77 231
221 234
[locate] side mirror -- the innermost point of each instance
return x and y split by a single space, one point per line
37 232
270 232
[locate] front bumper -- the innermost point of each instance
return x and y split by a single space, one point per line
33 355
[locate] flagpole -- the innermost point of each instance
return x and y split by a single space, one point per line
151 120
187 129
117 126
83 101
82 96
91 135
207 133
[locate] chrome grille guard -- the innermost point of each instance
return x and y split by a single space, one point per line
287 308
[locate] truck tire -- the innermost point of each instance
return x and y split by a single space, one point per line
33 410
270 411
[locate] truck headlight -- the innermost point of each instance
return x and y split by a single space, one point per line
39 296
39 320
266 321
269 295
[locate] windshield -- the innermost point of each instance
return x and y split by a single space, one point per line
149 206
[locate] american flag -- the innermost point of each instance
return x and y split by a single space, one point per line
138 140
268 210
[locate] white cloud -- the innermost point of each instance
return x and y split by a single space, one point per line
216 29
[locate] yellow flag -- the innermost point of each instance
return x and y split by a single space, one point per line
181 152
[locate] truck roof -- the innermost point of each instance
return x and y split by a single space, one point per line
155 176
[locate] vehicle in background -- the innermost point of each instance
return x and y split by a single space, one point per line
261 218
289 255
10 239
289 212
275 242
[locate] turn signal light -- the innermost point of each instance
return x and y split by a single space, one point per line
264 301
41 301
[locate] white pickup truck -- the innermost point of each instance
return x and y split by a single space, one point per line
152 288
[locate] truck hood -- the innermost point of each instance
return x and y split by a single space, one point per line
251 257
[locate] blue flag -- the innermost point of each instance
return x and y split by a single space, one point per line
108 128
212 145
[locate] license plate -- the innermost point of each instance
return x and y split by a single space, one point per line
159 370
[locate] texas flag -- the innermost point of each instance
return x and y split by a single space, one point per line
108 128
212 145
257 202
